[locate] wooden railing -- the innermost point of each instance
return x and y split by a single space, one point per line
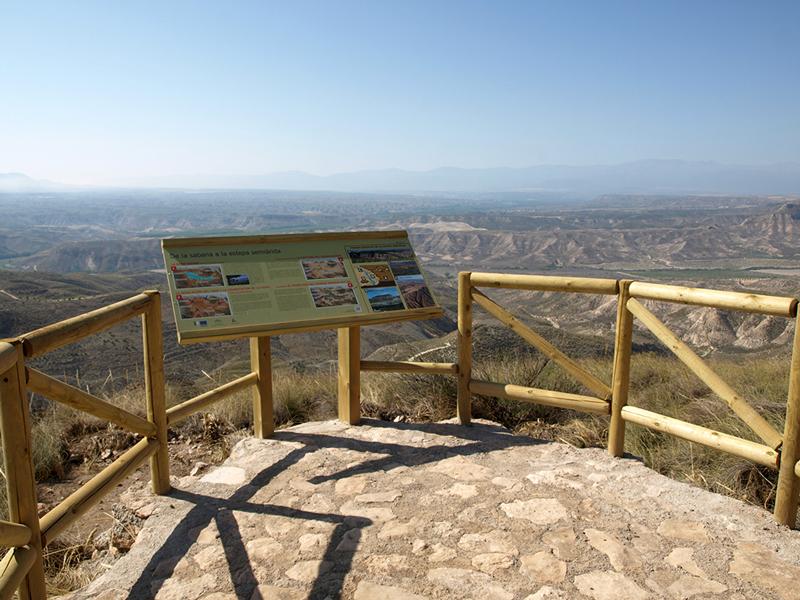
26 534
779 450
468 293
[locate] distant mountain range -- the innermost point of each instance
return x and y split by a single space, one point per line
19 182
645 177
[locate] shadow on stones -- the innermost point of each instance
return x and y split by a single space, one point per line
485 438
206 509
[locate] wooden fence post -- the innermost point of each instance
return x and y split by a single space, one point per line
261 364
464 400
621 377
154 383
786 497
349 372
15 425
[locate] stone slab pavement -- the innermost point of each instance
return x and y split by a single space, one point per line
395 511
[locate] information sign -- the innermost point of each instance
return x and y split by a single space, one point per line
230 287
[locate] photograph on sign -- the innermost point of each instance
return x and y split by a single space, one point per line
241 279
333 294
366 255
385 298
197 276
415 291
204 305
404 267
324 268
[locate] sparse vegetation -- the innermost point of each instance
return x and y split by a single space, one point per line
62 562
63 437
658 383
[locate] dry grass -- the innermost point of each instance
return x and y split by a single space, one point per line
298 398
65 566
658 383
664 385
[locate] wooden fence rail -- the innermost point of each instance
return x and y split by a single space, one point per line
696 364
778 306
545 283
788 494
468 293
76 504
14 534
522 393
549 350
21 570
187 409
76 398
752 451
15 568
405 366
8 356
52 337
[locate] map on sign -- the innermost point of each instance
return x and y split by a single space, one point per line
227 287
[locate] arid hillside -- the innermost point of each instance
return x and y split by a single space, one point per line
82 254
624 240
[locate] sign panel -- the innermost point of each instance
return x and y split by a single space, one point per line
229 287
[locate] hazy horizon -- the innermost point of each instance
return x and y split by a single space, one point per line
639 177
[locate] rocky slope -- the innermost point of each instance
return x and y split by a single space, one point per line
577 242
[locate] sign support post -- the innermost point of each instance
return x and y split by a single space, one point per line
261 364
350 375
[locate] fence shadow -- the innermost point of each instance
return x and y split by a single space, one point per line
480 438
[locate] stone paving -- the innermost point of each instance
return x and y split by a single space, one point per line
407 512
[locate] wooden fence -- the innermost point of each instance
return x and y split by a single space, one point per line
779 450
26 534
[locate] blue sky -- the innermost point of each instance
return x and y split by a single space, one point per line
106 93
